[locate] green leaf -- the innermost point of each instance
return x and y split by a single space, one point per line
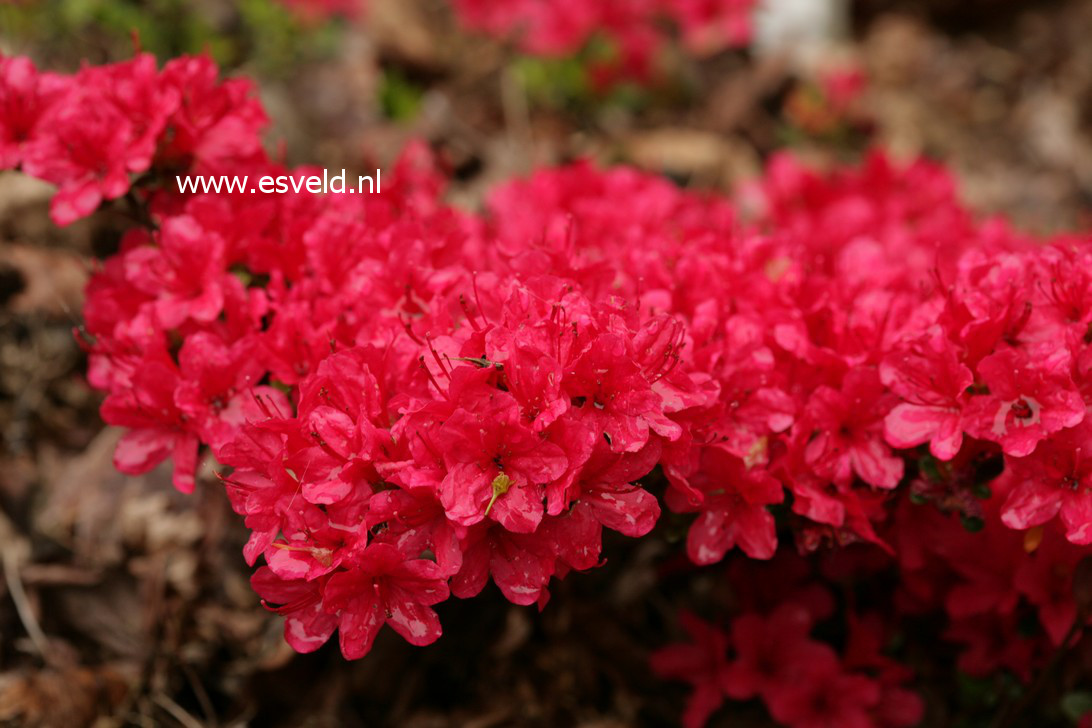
1076 705
399 98
972 524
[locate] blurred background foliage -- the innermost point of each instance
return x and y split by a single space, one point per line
264 35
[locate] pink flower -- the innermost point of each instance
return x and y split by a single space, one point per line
734 509
158 429
102 130
416 523
772 653
847 429
307 625
615 397
710 25
930 379
608 492
496 467
1055 480
1046 578
262 488
217 126
25 97
701 663
184 271
825 695
521 565
1027 401
385 588
561 28
218 390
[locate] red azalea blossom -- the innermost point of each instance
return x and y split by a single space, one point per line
1055 480
496 467
771 652
824 696
103 129
307 625
928 376
702 664
560 28
1026 402
733 512
385 588
25 96
848 433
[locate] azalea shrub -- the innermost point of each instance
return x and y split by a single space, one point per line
562 28
634 29
865 404
629 33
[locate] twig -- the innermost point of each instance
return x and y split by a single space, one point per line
202 695
1012 711
177 711
22 604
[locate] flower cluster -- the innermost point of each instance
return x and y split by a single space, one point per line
851 320
802 681
553 28
990 580
863 331
410 401
407 410
93 132
634 26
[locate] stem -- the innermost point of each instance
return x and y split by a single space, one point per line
139 213
1007 717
